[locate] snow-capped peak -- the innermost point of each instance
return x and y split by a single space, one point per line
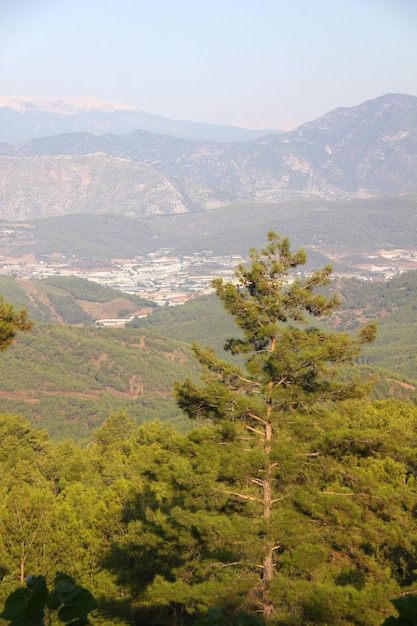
74 106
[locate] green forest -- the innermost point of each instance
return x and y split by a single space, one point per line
68 378
277 488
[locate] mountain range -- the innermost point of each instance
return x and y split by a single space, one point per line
24 118
365 151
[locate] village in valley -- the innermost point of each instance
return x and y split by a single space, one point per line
171 280
158 276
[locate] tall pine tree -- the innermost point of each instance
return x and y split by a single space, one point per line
290 365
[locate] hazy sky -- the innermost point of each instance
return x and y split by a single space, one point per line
254 63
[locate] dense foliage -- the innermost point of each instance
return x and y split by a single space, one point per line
146 518
391 303
35 605
202 319
394 302
293 470
54 379
68 380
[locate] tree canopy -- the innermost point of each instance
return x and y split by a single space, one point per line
11 322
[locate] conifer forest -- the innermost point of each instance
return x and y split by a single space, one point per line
287 497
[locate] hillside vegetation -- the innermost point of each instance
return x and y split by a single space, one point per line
71 300
392 303
68 379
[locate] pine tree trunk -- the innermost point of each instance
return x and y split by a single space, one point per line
268 563
22 562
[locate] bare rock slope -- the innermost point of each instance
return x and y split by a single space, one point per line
359 152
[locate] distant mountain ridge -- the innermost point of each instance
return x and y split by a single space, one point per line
360 152
24 118
27 105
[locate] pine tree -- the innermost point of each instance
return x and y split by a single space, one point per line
11 322
291 365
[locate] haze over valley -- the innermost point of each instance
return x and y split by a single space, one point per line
342 186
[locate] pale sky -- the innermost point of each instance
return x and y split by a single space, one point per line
252 63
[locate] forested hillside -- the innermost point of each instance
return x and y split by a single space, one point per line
70 300
67 380
135 518
392 304
292 497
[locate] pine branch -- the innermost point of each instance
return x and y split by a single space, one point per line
278 499
276 547
253 430
239 495
257 418
257 481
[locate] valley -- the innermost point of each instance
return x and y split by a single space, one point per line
168 278
172 258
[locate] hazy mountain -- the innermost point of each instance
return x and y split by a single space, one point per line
366 151
22 119
96 183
